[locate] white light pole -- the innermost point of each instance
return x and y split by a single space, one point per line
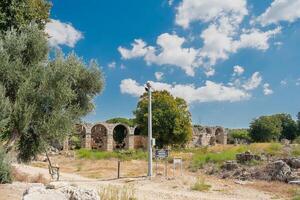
148 89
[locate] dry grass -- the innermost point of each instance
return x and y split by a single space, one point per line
117 193
279 189
23 177
201 185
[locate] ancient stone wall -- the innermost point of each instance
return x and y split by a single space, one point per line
110 137
205 136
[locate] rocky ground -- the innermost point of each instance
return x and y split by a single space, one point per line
157 188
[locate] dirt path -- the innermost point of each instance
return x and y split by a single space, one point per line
161 188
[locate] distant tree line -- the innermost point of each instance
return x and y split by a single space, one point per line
269 128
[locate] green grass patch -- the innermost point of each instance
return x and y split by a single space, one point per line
101 155
219 154
201 185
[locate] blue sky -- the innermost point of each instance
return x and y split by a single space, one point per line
231 60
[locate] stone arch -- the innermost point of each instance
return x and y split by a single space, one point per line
137 130
120 136
99 134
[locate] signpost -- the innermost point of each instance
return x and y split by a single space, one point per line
177 161
162 154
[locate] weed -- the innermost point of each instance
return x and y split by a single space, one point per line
200 185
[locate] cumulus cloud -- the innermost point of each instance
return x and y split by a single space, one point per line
159 75
168 52
138 49
280 10
208 10
222 37
62 33
209 92
238 70
267 90
253 82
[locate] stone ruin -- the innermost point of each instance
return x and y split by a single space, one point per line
108 137
208 136
114 136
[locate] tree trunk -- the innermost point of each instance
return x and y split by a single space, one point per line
12 140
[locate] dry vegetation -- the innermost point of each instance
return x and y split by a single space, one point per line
23 177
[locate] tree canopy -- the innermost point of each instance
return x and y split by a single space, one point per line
274 127
265 129
20 13
43 97
129 122
170 116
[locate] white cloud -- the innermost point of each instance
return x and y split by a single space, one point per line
238 70
210 72
168 52
112 65
281 10
129 86
267 90
62 33
209 92
159 75
138 50
256 39
208 10
253 82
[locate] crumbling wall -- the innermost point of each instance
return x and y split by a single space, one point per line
208 136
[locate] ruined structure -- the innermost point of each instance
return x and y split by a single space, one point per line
205 136
109 137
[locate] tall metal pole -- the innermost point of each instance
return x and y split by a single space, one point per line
149 131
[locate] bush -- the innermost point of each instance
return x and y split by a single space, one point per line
200 185
5 169
240 135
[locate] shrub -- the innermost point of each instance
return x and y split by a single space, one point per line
200 185
5 169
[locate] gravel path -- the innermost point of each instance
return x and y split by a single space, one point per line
161 188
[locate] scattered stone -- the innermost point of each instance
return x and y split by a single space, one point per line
296 182
230 165
59 191
293 162
41 193
246 157
279 171
285 141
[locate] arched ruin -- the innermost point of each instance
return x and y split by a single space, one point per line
99 137
120 133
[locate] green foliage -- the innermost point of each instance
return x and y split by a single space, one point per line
129 122
274 127
170 117
101 155
240 134
265 129
201 185
19 13
217 156
5 169
289 126
46 97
